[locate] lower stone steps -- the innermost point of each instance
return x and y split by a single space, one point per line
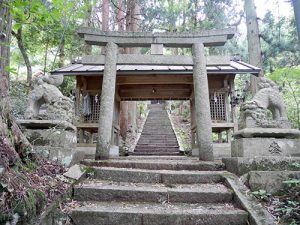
101 190
120 213
156 190
158 164
159 177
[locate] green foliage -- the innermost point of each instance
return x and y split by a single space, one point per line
289 80
292 182
261 194
29 205
68 85
89 171
280 43
18 96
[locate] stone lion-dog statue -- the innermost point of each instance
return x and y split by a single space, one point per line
254 113
56 106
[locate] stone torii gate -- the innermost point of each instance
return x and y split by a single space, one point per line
196 41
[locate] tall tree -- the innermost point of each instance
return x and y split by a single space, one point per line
132 24
19 36
296 4
124 104
254 47
5 36
11 137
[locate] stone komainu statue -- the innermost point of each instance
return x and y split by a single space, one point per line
47 102
254 113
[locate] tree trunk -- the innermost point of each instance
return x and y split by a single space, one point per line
87 49
105 19
5 37
62 55
296 4
105 15
132 24
123 119
123 104
11 136
19 37
254 47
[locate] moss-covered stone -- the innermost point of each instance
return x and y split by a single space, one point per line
29 206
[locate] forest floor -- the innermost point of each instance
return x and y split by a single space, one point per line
27 188
284 205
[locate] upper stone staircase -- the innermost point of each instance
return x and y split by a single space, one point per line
156 190
158 137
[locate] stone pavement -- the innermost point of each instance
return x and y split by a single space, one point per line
156 190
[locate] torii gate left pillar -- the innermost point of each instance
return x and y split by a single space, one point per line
107 102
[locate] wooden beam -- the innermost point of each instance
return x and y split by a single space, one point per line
172 87
142 39
148 94
161 60
155 79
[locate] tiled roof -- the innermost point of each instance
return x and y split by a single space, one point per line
235 67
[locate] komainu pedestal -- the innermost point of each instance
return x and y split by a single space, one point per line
263 136
47 124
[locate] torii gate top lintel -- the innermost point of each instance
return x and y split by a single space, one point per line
209 38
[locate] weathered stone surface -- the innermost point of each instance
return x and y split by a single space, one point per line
251 147
254 112
55 105
157 164
114 213
142 39
2 170
55 144
75 172
94 190
46 124
258 215
51 137
267 132
107 102
243 165
271 181
149 176
221 150
203 117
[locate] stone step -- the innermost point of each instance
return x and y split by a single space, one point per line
161 176
158 137
166 150
119 213
157 148
161 144
157 129
102 190
158 164
145 140
150 150
159 132
154 153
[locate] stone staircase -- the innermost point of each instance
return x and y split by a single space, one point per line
158 137
151 190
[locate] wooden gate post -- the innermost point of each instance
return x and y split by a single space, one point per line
203 117
107 102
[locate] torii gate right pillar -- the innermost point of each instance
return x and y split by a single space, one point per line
203 117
